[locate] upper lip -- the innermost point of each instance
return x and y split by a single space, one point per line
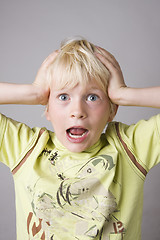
80 127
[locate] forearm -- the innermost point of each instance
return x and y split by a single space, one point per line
19 94
143 97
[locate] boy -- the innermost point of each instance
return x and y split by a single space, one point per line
78 183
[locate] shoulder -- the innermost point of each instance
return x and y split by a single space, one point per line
152 124
142 139
17 139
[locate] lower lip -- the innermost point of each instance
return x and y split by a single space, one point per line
79 139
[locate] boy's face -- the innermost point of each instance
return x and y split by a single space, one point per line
78 115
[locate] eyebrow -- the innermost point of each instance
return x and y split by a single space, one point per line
95 88
92 88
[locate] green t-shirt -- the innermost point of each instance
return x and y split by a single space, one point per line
96 194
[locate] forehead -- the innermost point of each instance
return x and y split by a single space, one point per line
89 85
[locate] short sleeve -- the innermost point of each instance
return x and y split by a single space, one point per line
143 140
15 140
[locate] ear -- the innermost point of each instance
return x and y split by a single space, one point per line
113 112
47 113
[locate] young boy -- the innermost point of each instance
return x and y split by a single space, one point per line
78 183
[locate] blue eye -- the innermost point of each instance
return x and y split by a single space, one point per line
92 97
63 97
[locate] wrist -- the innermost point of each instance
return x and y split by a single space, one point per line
40 95
118 96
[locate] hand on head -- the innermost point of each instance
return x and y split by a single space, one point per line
42 81
116 80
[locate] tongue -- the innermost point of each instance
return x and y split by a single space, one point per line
77 131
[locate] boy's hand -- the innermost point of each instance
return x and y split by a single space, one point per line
119 93
30 94
116 81
42 82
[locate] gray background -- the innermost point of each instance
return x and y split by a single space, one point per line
30 30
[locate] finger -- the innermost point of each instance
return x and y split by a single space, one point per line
50 59
107 63
109 56
105 52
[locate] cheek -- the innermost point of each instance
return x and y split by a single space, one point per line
51 112
56 115
103 111
102 116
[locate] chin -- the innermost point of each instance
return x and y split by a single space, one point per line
76 148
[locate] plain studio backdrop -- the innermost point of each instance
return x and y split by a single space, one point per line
30 30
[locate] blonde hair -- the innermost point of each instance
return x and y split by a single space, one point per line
76 63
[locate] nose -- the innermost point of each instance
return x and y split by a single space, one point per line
78 110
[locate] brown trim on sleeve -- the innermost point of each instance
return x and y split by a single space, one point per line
27 155
129 153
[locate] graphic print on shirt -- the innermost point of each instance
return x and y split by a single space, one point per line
81 201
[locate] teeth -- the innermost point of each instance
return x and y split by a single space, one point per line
76 136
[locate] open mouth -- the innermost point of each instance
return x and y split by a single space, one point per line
77 134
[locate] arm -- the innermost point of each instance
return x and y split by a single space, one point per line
19 94
35 93
142 97
119 93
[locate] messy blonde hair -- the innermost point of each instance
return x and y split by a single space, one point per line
75 63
